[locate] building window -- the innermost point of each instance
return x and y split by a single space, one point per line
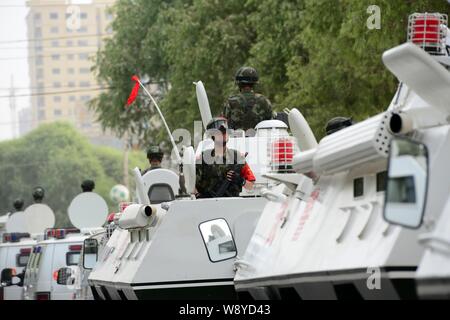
108 16
57 112
83 29
83 56
71 84
37 32
85 98
70 56
84 70
54 30
83 15
109 30
57 99
55 43
39 73
41 115
71 71
54 15
37 16
83 43
218 239
72 98
39 60
56 71
41 102
57 84
84 84
55 56
69 43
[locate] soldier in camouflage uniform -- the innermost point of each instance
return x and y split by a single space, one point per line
221 172
246 109
154 156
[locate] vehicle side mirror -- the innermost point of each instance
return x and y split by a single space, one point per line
407 183
90 253
7 275
64 275
9 278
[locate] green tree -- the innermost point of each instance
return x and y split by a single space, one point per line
134 49
316 55
58 158
344 74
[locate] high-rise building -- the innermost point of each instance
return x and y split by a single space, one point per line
63 37
12 108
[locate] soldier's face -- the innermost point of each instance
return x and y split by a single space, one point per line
220 138
155 162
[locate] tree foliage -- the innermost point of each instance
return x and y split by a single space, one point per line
58 158
316 55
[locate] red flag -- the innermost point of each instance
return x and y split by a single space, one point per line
134 93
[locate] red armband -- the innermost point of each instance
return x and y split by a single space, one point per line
247 173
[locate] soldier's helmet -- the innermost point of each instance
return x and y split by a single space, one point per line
337 124
218 123
38 194
87 185
246 75
155 152
18 204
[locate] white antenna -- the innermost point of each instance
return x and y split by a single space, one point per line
203 103
140 186
177 153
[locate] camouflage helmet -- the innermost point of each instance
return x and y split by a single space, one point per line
246 75
38 194
218 123
155 152
18 204
337 124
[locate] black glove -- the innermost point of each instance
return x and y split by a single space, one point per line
235 178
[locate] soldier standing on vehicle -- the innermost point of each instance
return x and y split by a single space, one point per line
246 109
154 156
221 172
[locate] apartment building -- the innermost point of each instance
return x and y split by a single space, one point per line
63 37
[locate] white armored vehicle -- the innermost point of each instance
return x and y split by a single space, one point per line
336 244
185 247
423 201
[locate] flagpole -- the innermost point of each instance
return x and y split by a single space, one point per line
177 153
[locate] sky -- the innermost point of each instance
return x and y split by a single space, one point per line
13 62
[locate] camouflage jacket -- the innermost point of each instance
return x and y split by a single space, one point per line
211 173
246 109
150 169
